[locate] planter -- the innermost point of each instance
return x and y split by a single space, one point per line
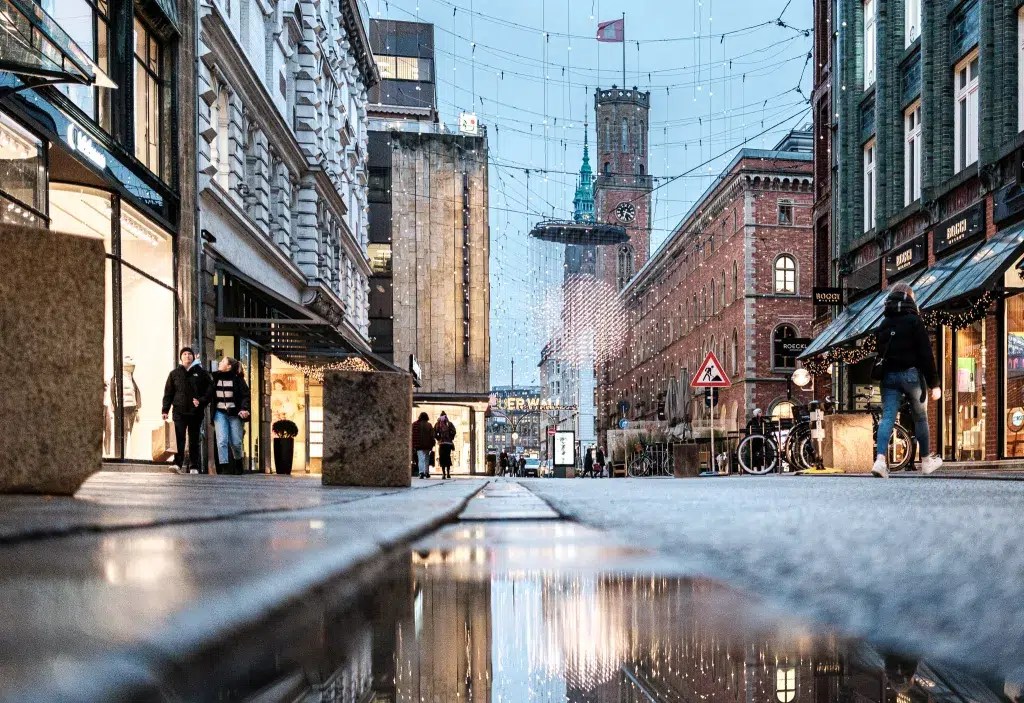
685 460
284 451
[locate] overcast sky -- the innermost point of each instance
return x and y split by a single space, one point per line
716 79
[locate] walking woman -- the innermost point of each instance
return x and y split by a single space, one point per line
907 368
230 413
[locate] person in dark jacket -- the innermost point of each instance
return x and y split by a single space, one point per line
423 443
599 460
908 371
588 462
444 433
758 425
189 389
231 406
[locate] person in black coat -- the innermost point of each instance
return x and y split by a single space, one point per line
231 407
189 389
908 371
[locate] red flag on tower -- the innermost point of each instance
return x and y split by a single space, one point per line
612 31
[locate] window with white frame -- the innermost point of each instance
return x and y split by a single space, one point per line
912 21
912 153
965 112
785 274
1020 70
869 185
220 148
870 53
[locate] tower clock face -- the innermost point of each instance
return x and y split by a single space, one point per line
625 211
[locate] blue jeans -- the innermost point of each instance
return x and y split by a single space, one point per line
230 433
897 385
423 458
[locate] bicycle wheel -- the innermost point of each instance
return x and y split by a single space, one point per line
638 468
757 454
804 455
900 448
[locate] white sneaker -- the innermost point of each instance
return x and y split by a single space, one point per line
931 464
880 468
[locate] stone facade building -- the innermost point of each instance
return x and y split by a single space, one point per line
283 202
734 276
926 120
429 239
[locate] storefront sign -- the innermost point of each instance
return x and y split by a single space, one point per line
526 403
565 448
791 346
1015 420
828 296
85 146
906 257
959 229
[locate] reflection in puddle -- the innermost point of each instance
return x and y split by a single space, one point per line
481 614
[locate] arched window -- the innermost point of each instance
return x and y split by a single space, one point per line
780 360
735 353
695 319
624 146
721 291
785 679
608 134
714 298
625 266
607 168
704 305
639 169
735 281
785 274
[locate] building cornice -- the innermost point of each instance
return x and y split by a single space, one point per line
360 43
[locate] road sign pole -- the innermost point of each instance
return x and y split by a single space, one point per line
712 464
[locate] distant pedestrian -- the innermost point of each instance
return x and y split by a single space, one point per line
907 368
503 463
444 433
588 462
522 465
189 389
599 461
230 413
423 443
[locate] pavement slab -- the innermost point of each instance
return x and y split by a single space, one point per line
154 571
929 567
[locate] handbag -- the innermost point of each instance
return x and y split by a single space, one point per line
165 444
878 368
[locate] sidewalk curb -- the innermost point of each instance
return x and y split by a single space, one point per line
176 661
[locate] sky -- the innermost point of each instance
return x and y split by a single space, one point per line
722 74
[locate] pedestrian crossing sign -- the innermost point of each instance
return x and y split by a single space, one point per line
710 374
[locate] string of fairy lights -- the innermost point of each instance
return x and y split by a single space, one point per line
715 84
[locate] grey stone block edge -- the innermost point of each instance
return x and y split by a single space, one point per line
151 671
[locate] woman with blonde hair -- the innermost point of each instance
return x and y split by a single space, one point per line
906 366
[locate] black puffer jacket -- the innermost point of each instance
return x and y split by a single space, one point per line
185 385
904 341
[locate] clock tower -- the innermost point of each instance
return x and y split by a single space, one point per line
622 193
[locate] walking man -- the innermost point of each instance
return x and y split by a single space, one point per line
189 389
423 443
599 462
444 433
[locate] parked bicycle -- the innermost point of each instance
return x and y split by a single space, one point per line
650 462
778 449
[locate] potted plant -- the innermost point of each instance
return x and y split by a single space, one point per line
284 445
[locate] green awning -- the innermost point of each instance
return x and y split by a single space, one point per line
827 339
983 271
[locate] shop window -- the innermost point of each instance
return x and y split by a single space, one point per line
785 275
22 176
912 154
965 112
150 77
779 411
963 400
1014 397
869 185
146 246
870 54
780 360
81 210
912 21
87 23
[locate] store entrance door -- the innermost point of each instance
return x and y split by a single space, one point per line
964 393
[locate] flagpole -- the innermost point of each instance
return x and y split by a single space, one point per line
623 50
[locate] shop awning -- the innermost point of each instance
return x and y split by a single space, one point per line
34 48
835 332
987 268
247 308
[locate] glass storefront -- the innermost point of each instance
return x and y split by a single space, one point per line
964 392
1014 389
288 401
22 176
139 349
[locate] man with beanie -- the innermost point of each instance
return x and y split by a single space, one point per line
908 371
189 389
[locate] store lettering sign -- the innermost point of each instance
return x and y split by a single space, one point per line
905 258
531 403
959 229
86 146
828 296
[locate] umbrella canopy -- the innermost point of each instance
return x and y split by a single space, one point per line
671 400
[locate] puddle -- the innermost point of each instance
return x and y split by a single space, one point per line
550 611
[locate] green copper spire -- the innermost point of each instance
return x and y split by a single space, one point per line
583 203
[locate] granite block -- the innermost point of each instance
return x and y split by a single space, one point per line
367 425
51 355
849 442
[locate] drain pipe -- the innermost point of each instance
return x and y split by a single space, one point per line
197 223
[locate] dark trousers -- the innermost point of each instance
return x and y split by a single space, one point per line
193 424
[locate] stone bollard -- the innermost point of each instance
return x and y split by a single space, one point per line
367 429
51 357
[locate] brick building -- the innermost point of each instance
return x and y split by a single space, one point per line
926 135
733 276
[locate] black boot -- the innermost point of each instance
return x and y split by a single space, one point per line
236 467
